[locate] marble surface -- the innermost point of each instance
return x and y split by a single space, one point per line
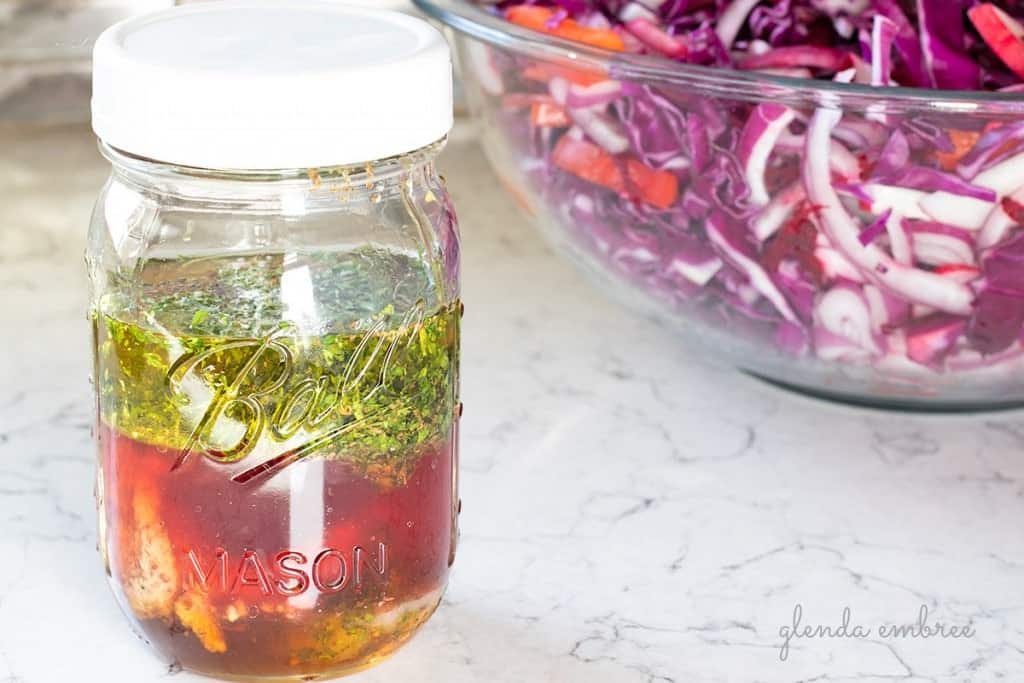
629 514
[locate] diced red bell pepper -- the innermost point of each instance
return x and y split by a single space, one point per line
519 100
543 73
951 268
796 239
543 19
549 115
593 164
963 142
1002 33
1013 209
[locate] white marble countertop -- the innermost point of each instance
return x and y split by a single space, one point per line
629 514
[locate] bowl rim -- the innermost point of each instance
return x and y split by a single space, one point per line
466 17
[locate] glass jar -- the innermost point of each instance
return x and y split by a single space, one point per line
276 372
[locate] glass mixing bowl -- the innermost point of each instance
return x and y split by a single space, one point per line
750 211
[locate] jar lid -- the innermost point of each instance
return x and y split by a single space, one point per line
271 84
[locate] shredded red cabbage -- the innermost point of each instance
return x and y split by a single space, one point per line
864 237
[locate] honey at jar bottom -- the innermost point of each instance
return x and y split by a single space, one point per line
321 572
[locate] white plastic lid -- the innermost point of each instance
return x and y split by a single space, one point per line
271 84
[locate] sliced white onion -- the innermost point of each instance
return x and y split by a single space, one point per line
935 249
844 233
844 312
901 201
697 273
899 240
998 223
773 216
1004 177
968 213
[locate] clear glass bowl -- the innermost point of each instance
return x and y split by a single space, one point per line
805 320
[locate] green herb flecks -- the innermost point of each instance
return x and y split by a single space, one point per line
206 357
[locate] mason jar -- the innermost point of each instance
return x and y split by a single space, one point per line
275 303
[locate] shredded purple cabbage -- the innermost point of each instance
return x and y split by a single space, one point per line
863 237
